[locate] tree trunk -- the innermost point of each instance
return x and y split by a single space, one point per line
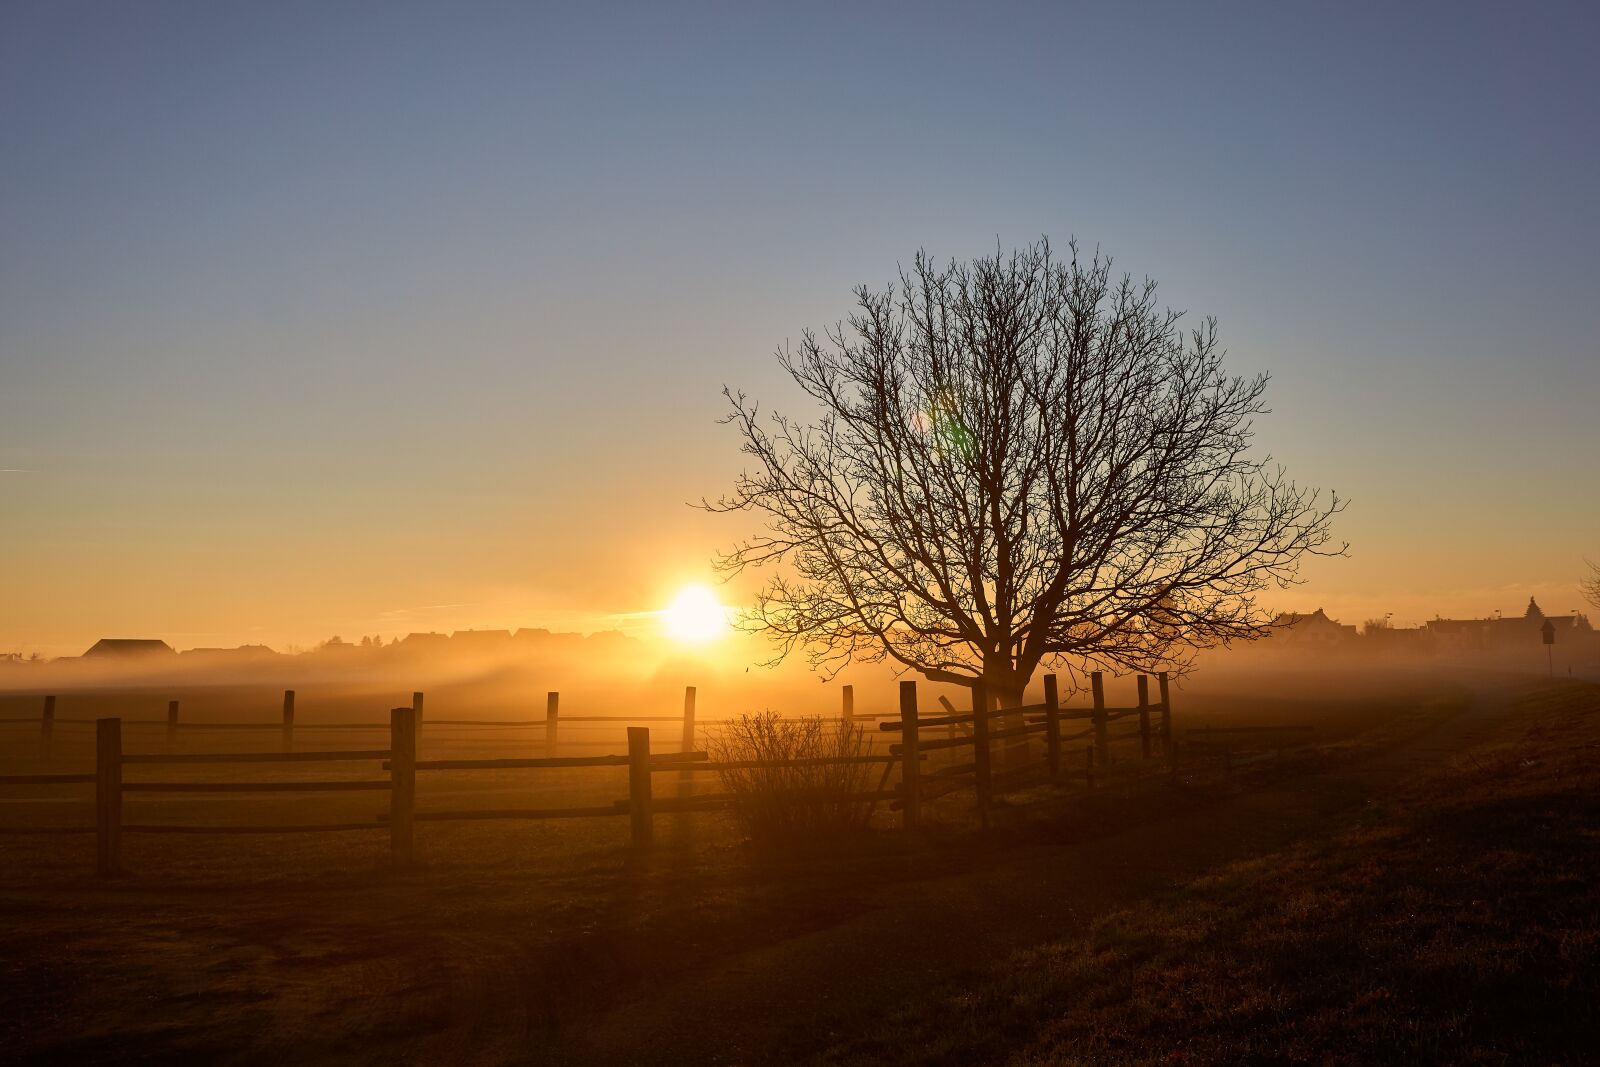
1000 679
1004 683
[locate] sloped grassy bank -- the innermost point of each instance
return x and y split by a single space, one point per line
1459 922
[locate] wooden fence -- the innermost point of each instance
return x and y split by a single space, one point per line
980 729
286 726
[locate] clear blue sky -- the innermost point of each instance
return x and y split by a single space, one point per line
361 318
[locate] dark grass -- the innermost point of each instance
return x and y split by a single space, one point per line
510 938
1458 923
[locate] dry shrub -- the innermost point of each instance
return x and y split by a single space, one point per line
798 799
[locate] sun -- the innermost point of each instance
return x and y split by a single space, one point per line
695 616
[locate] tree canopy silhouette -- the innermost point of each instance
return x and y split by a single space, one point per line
1017 460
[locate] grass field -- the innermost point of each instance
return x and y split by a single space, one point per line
1455 921
1209 921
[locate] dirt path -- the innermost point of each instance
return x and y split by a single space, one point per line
783 1002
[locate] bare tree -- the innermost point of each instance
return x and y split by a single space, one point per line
1591 584
1018 460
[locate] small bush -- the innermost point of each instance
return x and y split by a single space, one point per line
799 799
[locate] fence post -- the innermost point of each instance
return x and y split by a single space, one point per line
1144 715
1102 744
982 765
910 757
172 723
416 706
47 728
1016 747
552 713
848 713
402 784
108 796
685 777
639 806
1166 713
1052 725
688 718
949 709
288 720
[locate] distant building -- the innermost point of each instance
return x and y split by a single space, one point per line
242 652
1398 640
480 639
1313 629
609 639
421 644
542 638
128 648
1525 630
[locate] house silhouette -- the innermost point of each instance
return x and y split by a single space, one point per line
128 648
1314 628
1523 630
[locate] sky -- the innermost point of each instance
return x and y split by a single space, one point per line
354 318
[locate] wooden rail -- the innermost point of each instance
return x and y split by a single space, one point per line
290 828
916 785
46 779
348 756
717 801
750 764
536 762
470 814
1017 731
663 761
955 718
253 787
1204 730
933 746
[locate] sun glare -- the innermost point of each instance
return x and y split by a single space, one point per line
695 616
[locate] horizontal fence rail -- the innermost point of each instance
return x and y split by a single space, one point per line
756 764
334 756
921 777
252 787
45 779
518 813
291 828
